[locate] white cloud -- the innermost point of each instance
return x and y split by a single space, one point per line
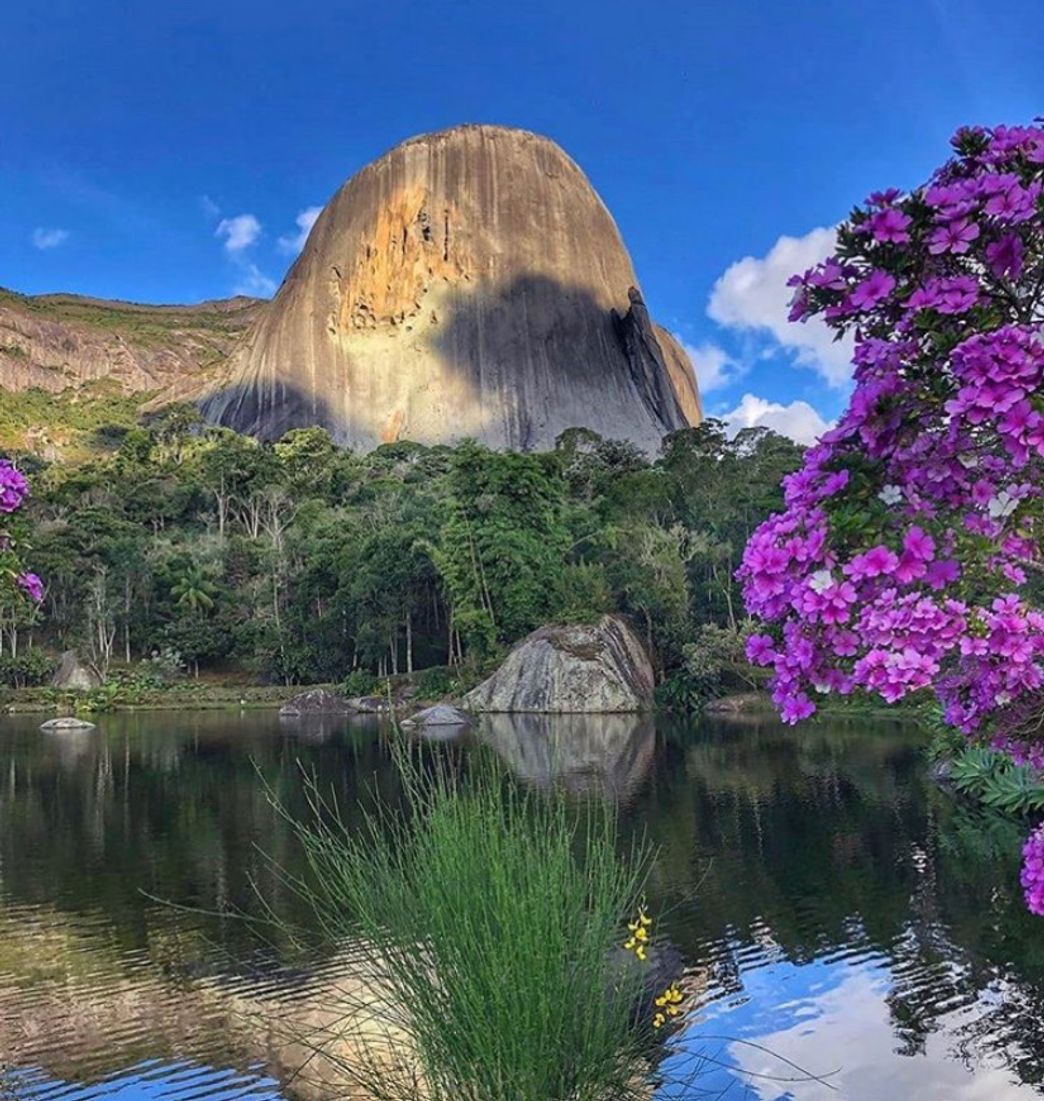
239 232
798 420
753 295
49 238
713 366
209 207
254 282
305 220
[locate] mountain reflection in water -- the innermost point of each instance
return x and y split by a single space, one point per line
830 905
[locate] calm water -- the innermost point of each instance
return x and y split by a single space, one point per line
830 906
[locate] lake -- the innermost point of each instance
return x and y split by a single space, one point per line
832 908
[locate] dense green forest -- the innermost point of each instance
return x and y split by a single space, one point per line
187 546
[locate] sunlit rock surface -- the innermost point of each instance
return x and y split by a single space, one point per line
469 283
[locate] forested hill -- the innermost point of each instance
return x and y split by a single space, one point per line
60 342
301 562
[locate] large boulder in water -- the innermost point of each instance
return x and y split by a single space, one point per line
72 673
469 283
571 669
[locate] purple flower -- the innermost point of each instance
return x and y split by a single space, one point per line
1009 201
883 198
955 237
944 415
891 225
828 276
875 562
761 650
942 572
948 296
13 487
796 707
1032 877
876 287
1004 256
32 586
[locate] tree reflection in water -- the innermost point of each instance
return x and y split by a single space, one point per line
831 903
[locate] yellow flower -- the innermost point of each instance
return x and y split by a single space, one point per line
658 1020
640 952
641 922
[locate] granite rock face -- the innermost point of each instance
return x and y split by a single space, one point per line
469 283
73 674
575 669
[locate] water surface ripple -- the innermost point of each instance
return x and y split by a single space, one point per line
830 908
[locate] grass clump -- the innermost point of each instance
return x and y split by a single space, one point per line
491 922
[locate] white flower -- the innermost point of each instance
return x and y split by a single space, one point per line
969 462
891 495
1002 505
820 581
1003 698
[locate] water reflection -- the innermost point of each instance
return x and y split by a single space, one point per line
829 904
606 755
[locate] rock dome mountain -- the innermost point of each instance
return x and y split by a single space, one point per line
467 283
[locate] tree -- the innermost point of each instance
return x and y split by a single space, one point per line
193 591
502 545
909 553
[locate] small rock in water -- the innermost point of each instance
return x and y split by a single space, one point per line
442 714
67 723
316 701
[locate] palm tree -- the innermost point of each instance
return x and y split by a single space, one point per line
193 590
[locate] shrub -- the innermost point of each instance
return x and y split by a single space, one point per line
360 682
492 921
30 668
435 683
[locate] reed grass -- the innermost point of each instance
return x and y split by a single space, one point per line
490 920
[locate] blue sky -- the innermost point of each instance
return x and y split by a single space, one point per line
131 131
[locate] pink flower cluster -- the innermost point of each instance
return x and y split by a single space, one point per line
901 561
13 487
31 585
1033 871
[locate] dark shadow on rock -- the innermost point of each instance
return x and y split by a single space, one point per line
511 366
546 356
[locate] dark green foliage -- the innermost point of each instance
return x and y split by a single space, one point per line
27 669
713 663
434 683
303 563
360 682
997 782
